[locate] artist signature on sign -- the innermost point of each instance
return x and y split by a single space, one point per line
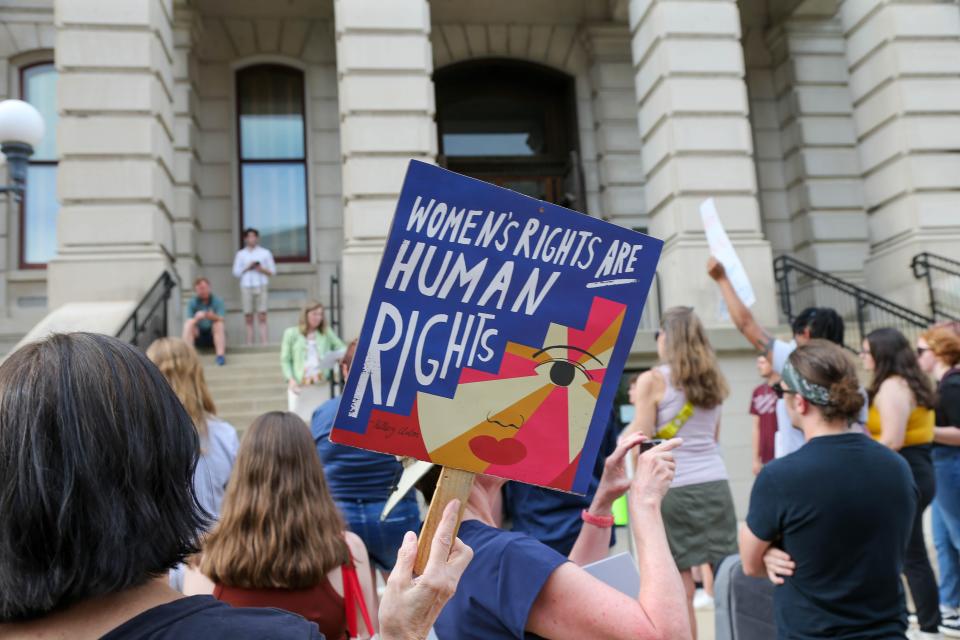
390 430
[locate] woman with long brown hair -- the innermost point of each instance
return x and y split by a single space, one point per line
281 542
179 364
902 402
302 351
682 397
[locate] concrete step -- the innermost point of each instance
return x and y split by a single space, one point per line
244 359
247 405
242 420
229 390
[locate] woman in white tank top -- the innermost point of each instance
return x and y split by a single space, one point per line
683 396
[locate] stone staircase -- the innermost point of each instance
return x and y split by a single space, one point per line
248 385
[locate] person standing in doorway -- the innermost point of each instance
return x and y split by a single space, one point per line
763 409
254 265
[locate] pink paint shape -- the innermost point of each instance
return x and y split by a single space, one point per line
512 366
545 435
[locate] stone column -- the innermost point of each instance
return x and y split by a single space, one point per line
822 171
384 62
186 191
904 63
692 102
115 59
615 114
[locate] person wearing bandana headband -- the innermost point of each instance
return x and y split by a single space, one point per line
829 523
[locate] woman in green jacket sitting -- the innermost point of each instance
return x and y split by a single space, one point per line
301 354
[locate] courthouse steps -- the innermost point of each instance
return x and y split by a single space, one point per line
248 385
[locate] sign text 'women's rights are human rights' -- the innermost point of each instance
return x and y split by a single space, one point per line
496 334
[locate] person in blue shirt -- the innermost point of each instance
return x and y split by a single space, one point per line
361 481
517 587
553 517
206 320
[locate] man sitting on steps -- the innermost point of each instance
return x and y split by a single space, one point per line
206 314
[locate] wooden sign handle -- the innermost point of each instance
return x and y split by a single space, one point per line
453 485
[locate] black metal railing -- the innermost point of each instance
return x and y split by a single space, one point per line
335 313
800 286
942 276
150 319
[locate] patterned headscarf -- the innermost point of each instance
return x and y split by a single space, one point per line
815 393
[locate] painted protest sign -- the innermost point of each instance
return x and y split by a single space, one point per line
496 332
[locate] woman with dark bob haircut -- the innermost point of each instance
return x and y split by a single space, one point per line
96 490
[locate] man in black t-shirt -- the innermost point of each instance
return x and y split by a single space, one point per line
829 523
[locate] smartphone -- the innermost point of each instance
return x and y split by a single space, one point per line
646 445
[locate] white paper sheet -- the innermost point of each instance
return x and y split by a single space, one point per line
722 249
619 571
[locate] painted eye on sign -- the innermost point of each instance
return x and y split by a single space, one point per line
496 332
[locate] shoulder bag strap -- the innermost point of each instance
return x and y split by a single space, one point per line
352 599
670 429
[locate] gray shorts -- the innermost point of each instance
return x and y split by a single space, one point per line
254 299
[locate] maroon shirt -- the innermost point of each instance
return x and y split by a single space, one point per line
764 404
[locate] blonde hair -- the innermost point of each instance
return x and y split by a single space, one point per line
693 364
179 364
279 527
307 307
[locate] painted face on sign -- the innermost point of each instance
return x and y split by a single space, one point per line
529 420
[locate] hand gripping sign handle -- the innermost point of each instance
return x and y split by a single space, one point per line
453 485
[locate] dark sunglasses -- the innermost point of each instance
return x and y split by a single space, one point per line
656 335
779 389
921 351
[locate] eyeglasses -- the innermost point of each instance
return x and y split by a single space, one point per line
656 335
780 390
921 351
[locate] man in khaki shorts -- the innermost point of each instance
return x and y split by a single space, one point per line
254 265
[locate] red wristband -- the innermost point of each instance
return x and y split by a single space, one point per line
604 522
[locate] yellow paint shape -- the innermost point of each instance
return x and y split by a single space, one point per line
444 419
457 453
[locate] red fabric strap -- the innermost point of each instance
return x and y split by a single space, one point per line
352 597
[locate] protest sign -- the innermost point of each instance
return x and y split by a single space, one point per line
722 249
495 336
496 332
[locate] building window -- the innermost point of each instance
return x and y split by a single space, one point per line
273 161
38 212
513 124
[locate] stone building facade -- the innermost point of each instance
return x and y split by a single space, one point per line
825 129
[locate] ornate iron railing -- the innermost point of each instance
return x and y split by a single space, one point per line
942 276
150 319
800 285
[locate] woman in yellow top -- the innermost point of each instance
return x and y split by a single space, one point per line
901 416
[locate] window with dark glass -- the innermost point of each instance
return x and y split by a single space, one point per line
513 124
273 163
38 212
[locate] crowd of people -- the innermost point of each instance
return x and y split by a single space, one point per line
131 510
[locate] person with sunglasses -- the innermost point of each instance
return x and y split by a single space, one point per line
828 524
812 322
902 401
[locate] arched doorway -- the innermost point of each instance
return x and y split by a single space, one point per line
513 124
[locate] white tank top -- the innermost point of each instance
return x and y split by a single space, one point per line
698 459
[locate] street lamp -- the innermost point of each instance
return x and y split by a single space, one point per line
21 129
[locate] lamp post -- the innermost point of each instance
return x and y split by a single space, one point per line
21 129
